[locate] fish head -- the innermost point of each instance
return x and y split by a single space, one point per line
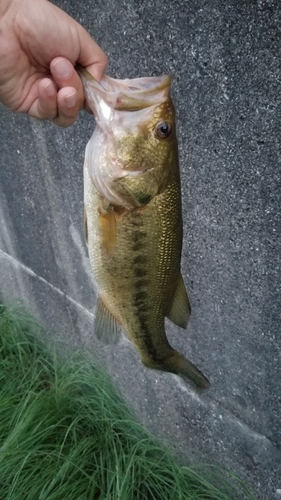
135 132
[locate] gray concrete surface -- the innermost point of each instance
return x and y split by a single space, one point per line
225 60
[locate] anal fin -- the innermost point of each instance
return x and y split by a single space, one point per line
180 309
106 328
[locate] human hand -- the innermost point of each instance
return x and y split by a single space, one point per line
39 45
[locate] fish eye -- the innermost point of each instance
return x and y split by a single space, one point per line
163 129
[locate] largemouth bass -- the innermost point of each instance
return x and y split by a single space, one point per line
133 217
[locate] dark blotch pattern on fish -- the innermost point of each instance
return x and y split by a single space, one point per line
141 283
138 236
139 272
138 239
140 259
140 297
141 304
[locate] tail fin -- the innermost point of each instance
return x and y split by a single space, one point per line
178 364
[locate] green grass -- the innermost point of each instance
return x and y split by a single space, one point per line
66 434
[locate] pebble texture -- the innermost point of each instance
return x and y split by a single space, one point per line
225 61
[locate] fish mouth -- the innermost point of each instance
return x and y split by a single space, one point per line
129 94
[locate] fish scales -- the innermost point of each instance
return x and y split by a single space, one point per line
134 221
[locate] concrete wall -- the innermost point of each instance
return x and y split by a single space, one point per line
225 60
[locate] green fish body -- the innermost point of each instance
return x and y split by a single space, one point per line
133 218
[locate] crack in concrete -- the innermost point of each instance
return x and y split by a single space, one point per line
30 272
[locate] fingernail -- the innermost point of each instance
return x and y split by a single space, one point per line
49 88
63 68
71 99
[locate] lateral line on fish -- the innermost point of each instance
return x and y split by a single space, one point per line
30 272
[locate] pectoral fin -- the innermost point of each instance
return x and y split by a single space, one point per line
180 310
106 328
108 232
137 190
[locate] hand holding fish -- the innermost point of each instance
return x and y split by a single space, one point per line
39 45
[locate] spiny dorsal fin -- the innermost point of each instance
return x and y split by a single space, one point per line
106 329
180 310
